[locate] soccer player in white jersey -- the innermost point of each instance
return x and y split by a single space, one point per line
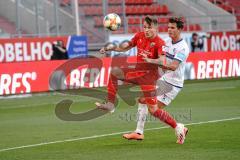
169 85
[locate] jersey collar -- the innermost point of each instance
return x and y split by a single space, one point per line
177 41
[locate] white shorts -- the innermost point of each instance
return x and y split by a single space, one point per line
166 92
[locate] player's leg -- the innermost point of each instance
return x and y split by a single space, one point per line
164 98
127 74
115 75
141 119
161 114
148 86
112 87
149 97
164 116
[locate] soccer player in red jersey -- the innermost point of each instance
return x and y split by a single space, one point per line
170 83
148 44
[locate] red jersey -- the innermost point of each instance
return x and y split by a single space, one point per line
151 47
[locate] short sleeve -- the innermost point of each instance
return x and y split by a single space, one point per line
161 48
135 39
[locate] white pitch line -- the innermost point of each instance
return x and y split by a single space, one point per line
110 134
38 104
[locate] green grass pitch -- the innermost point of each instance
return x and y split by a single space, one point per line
29 128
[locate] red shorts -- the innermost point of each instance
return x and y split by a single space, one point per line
146 79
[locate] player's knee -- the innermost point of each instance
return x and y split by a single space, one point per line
152 101
160 105
116 72
148 101
142 100
152 109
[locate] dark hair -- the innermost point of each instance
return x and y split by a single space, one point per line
178 21
151 20
194 34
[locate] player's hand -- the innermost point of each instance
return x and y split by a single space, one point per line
143 54
108 47
145 57
162 58
148 60
103 50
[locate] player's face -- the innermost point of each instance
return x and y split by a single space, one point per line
149 30
173 31
195 38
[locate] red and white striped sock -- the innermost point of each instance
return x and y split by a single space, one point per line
165 117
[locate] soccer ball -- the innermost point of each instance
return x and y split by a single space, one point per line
112 21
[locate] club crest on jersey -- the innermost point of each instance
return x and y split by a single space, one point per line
152 44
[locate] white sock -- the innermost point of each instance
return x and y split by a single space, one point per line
141 117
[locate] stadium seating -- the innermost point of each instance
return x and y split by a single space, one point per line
131 2
7 26
135 10
231 6
65 2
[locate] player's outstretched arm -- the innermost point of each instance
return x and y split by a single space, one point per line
172 66
161 63
125 46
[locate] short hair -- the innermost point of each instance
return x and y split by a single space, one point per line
194 34
151 20
178 20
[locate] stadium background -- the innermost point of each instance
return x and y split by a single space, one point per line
30 128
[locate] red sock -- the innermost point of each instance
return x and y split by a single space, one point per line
112 88
165 117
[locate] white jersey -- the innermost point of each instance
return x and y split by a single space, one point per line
175 51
